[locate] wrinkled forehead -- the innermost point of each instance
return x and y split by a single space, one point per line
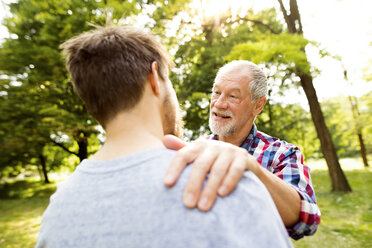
237 77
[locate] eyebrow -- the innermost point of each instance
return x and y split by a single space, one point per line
236 89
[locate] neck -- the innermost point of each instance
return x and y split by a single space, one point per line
131 132
239 136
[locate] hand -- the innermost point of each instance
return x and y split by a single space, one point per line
225 163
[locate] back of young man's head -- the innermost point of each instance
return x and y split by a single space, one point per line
109 67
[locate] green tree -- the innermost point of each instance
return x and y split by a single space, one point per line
39 107
42 102
294 25
259 38
338 115
292 123
341 122
20 142
365 109
358 127
286 51
203 50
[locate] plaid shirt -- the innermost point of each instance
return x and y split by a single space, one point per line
286 161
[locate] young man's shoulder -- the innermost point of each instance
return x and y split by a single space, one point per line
128 199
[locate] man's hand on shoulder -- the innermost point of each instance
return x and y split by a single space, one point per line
224 162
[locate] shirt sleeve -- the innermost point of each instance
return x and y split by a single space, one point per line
289 166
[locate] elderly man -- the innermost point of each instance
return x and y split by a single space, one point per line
116 198
238 96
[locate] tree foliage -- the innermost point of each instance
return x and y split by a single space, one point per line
275 49
204 52
41 119
38 106
338 114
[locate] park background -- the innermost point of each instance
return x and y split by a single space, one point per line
45 131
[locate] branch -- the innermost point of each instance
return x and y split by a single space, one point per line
295 13
63 147
260 23
287 18
284 11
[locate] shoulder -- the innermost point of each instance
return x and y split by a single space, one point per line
265 138
275 143
131 199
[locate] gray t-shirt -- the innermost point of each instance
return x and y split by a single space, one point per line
124 203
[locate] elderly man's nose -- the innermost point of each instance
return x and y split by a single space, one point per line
220 103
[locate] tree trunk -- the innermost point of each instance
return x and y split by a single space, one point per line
82 141
81 138
363 150
356 115
40 171
338 179
43 166
355 110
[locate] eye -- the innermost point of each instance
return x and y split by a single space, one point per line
216 92
233 96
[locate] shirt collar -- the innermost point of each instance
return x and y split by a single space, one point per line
248 141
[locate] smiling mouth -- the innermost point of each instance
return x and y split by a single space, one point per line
221 116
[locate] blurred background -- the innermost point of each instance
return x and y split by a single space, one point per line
317 56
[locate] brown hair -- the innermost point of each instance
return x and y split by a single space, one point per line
109 67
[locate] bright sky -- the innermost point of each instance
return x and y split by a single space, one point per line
342 27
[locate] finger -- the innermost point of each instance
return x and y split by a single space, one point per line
183 157
173 143
216 176
233 176
198 174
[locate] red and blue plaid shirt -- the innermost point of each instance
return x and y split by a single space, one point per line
286 161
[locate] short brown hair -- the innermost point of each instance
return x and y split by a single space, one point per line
109 67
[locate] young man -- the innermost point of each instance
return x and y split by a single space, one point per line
116 198
239 95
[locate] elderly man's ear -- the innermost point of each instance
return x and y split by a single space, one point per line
258 105
154 78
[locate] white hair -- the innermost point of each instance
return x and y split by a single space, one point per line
258 80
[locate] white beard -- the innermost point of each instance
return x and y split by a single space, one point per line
226 129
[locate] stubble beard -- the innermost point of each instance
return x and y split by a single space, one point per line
227 129
173 118
178 124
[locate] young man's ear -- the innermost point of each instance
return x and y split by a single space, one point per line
154 78
259 104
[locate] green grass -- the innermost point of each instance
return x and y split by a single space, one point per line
21 206
346 217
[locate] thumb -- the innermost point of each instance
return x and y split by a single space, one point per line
173 143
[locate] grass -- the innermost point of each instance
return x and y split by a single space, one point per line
346 217
21 206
